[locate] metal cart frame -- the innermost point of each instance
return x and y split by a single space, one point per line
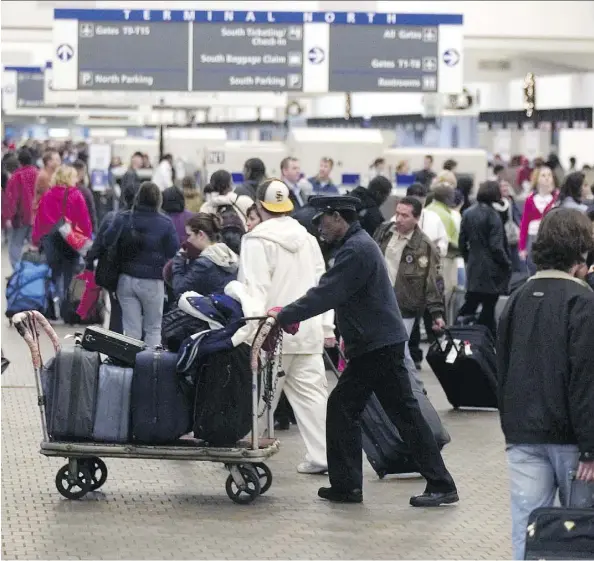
85 471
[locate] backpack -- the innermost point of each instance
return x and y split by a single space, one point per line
30 286
233 226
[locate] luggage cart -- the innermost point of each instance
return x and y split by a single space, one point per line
85 471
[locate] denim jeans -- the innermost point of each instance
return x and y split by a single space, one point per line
16 241
536 472
142 307
415 380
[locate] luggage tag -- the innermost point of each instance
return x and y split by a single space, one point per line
453 354
467 349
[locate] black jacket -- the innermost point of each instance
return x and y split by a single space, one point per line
482 243
249 188
358 287
545 361
370 215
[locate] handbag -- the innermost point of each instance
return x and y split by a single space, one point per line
512 230
57 238
107 271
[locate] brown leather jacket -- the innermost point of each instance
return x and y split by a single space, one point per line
419 284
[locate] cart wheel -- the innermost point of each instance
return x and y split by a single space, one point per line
77 487
98 470
265 476
249 492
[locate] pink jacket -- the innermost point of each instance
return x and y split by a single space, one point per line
530 214
50 211
17 200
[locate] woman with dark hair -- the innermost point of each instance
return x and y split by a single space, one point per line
254 172
558 172
482 243
223 196
573 191
214 269
146 240
465 186
174 205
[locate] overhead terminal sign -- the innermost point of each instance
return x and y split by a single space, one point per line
22 87
226 51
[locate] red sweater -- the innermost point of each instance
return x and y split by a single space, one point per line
50 211
17 200
530 214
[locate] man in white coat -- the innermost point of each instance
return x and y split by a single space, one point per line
279 262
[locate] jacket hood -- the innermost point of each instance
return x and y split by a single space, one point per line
222 256
285 231
173 200
364 196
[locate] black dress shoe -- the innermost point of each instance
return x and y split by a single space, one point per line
282 425
434 499
337 496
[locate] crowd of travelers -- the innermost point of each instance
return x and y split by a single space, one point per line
307 254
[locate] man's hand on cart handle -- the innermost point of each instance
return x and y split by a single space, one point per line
290 329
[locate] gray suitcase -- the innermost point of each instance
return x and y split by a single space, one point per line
112 417
70 388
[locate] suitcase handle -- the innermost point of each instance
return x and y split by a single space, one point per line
27 324
445 333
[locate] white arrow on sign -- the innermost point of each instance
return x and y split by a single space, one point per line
316 55
65 52
451 57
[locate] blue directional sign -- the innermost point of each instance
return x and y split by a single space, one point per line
316 55
65 52
451 57
223 50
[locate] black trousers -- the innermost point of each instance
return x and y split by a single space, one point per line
415 336
381 371
487 315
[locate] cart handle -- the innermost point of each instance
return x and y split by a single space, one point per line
263 332
27 324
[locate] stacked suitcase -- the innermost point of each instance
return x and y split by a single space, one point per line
135 395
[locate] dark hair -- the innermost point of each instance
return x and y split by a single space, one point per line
572 161
208 189
25 157
553 161
380 188
497 168
174 200
149 195
450 164
210 224
417 190
416 205
220 181
429 157
252 209
138 154
465 184
188 182
564 235
286 161
255 170
167 157
489 192
377 162
572 186
79 165
10 163
48 155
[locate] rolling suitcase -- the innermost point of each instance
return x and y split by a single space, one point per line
112 417
160 402
386 451
70 382
563 532
464 363
120 348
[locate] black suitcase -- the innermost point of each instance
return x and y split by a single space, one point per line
386 451
120 349
560 533
69 382
464 363
160 400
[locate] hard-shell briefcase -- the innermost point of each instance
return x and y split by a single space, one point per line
120 348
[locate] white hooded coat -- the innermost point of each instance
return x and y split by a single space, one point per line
240 203
279 262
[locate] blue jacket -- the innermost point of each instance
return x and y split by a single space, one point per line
319 189
147 241
358 287
200 275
